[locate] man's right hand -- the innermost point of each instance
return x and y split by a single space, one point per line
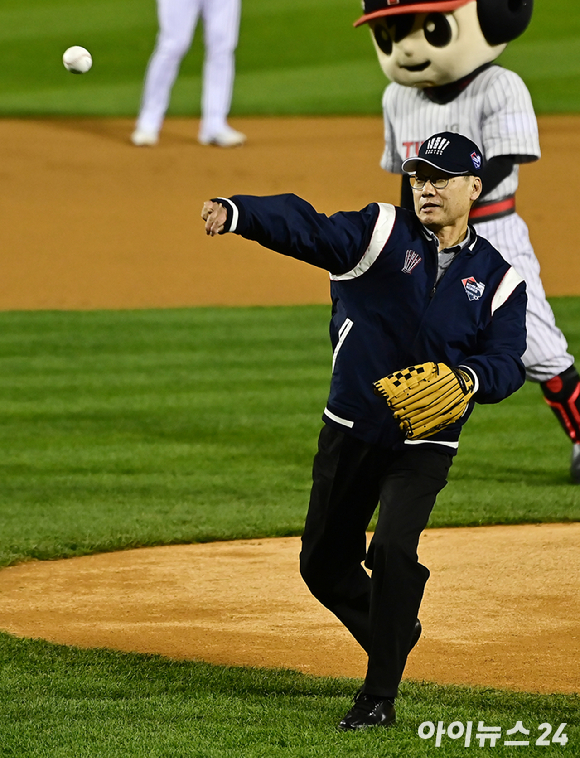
215 217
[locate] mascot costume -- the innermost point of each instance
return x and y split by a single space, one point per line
438 55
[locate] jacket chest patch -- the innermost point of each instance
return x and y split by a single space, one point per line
473 288
412 259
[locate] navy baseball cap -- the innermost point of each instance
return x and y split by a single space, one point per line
450 152
373 9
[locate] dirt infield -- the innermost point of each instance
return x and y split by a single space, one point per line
89 222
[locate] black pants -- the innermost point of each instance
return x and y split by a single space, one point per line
350 478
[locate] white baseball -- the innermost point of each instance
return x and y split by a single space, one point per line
77 60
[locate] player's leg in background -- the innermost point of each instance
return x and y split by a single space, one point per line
549 363
546 359
221 20
177 22
344 496
562 393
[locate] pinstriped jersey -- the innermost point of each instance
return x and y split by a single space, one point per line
495 111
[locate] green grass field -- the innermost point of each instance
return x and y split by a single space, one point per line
294 57
63 702
124 429
129 428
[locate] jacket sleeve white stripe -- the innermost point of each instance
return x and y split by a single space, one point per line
235 213
381 233
505 289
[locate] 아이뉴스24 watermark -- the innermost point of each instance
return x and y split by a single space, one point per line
543 736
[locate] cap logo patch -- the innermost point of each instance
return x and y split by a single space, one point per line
393 2
412 259
476 160
436 145
473 288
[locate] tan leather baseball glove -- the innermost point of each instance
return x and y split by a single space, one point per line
426 398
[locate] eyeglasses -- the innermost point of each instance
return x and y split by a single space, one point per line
418 183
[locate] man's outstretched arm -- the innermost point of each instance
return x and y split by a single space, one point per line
289 225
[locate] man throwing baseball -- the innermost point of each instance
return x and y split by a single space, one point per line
427 318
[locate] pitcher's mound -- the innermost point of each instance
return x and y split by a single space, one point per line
501 607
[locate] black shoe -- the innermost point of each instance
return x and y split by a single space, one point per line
368 711
416 634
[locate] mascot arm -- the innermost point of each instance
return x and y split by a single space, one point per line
509 126
495 171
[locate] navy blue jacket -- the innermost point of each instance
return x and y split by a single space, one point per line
387 312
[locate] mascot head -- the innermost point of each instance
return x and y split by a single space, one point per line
428 43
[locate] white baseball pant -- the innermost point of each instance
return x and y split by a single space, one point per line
547 353
177 23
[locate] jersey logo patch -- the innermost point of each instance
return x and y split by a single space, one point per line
411 260
473 288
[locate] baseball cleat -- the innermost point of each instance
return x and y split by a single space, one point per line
228 137
575 463
368 711
141 138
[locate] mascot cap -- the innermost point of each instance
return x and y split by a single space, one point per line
377 8
449 152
